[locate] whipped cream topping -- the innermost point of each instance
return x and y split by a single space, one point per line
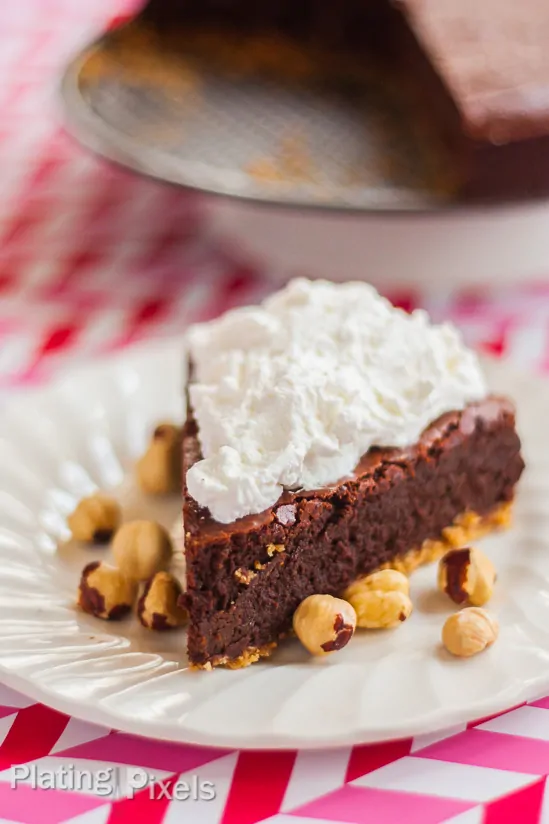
292 393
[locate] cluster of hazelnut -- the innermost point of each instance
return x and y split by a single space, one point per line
467 576
142 549
325 624
158 471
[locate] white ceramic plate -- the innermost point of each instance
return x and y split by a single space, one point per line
84 432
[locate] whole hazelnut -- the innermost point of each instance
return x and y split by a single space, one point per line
105 592
385 580
158 472
467 576
380 600
158 608
167 433
469 632
376 609
141 549
95 519
324 624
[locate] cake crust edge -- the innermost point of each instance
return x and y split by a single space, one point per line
467 527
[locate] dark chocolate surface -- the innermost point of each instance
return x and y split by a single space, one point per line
242 590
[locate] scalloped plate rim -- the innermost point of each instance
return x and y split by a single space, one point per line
437 719
164 732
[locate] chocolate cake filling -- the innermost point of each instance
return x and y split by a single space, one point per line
246 579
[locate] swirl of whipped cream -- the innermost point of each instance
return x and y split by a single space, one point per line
292 393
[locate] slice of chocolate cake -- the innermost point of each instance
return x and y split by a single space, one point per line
287 403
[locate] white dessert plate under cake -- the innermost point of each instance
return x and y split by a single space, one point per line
84 432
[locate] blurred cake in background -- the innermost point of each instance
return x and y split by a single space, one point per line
474 75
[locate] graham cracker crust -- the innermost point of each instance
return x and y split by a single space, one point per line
466 528
249 656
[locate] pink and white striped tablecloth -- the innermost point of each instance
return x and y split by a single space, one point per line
93 259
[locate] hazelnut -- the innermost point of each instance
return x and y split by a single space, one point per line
467 576
159 470
324 624
141 549
95 519
469 631
158 608
105 592
167 433
380 600
376 609
386 580
244 576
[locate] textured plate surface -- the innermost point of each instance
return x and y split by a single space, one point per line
85 432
